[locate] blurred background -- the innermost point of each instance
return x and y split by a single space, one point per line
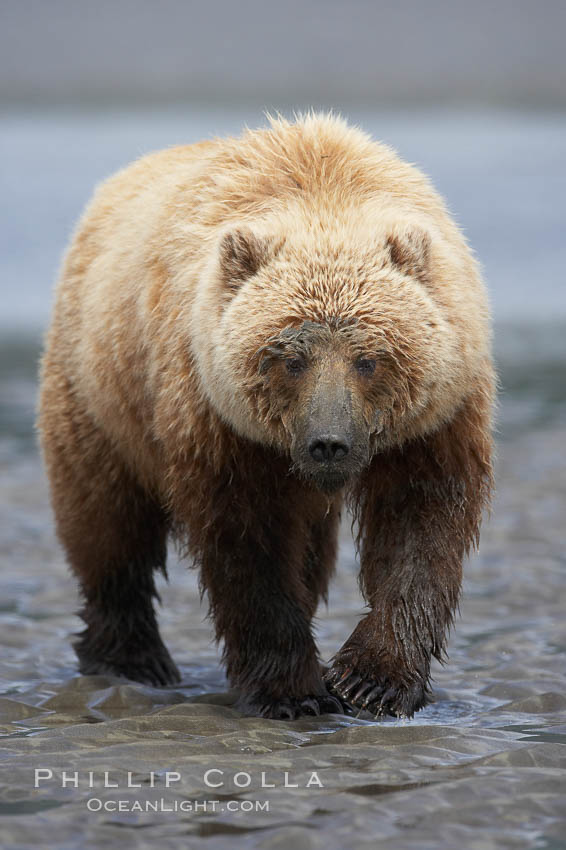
474 93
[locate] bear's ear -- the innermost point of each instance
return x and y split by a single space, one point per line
409 250
242 253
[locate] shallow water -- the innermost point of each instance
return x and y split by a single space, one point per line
482 767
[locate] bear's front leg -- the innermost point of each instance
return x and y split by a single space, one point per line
251 539
419 510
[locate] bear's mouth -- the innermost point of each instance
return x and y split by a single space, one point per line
328 480
329 477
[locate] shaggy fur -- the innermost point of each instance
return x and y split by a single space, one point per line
246 332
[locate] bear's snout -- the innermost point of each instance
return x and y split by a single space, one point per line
330 443
329 458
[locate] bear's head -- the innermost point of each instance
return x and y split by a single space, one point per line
327 349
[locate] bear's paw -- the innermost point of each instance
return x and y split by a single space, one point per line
379 695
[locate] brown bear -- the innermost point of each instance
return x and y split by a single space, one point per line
249 334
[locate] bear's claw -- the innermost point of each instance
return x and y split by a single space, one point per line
289 708
380 697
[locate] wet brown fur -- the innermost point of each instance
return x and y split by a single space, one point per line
167 408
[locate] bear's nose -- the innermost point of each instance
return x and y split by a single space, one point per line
328 448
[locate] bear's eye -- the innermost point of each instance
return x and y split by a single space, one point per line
365 366
295 365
